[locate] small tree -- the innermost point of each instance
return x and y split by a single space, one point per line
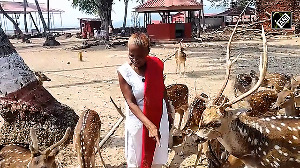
125 15
102 8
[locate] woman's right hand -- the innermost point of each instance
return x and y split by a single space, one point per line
154 133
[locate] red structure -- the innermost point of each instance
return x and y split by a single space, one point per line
88 26
170 28
178 18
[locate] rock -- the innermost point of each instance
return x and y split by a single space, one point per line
50 41
34 106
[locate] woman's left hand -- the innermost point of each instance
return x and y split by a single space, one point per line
154 133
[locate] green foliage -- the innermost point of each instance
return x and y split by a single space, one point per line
87 6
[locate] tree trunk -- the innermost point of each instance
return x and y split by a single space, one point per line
25 12
125 15
19 31
25 103
104 12
41 16
48 14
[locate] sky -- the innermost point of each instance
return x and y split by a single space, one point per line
71 15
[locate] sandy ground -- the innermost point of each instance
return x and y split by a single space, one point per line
91 82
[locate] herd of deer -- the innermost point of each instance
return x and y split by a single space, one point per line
259 136
256 137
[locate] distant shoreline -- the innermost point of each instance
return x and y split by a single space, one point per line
62 29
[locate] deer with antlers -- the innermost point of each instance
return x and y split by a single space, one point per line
257 141
87 137
13 156
180 57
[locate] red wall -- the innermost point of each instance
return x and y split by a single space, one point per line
166 31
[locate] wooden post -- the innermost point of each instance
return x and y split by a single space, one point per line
80 55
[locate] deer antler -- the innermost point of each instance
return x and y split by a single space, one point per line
228 61
48 150
262 69
34 148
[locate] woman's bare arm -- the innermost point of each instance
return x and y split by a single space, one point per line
131 101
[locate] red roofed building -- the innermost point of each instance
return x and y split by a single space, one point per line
178 26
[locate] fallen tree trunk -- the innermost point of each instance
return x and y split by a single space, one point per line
25 103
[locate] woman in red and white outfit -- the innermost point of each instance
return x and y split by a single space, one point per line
147 125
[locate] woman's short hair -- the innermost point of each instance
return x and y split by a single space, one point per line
139 39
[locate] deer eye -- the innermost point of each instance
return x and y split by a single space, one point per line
211 125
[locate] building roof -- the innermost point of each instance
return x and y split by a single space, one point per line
237 12
18 7
169 5
91 19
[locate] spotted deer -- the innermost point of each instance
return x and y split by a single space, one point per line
286 100
196 110
243 82
87 137
261 103
260 142
12 156
180 57
41 77
275 81
178 94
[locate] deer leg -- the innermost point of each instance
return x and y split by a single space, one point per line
176 66
199 155
101 158
180 119
179 65
99 149
183 67
171 137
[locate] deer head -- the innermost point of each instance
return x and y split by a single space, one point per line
20 156
287 100
44 158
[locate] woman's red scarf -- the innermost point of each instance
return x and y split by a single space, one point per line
153 99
